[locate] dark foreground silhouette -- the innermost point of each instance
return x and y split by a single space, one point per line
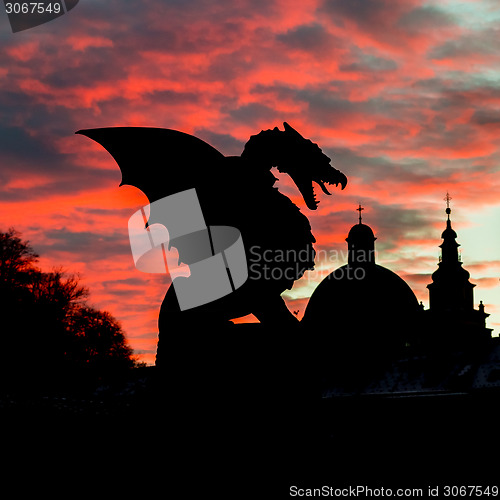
248 428
238 410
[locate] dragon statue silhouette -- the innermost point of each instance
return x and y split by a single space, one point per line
233 191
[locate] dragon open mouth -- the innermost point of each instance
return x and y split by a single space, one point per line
308 192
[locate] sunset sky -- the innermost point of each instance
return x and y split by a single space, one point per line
403 95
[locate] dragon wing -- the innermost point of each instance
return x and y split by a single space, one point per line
158 161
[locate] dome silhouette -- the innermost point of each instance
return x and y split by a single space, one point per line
369 306
361 232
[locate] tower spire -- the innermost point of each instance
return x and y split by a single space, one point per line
448 198
449 246
451 294
451 287
359 209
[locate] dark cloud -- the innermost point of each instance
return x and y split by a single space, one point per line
126 282
331 103
127 287
155 22
63 180
175 11
395 222
363 12
21 148
169 97
22 110
484 43
310 37
254 113
125 213
23 154
92 245
367 63
227 67
426 18
459 83
451 96
325 105
99 64
393 25
225 143
439 134
486 117
380 168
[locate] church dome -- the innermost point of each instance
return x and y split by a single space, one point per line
360 233
362 304
374 292
372 303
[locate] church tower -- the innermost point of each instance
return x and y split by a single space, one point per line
450 289
451 294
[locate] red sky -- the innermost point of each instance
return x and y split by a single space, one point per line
402 95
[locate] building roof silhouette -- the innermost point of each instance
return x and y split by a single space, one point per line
378 340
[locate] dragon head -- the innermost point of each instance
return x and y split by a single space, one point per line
296 156
305 163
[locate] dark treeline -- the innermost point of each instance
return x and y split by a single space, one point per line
50 337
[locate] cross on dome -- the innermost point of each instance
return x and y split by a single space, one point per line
447 198
359 209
